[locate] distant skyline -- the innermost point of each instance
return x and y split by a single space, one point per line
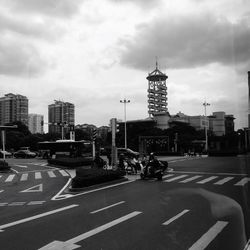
93 53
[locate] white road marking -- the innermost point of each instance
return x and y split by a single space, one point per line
24 177
35 217
10 178
17 203
63 173
1 191
175 217
3 204
20 166
60 196
207 180
247 246
35 203
206 238
208 173
104 208
242 182
223 181
51 174
37 188
71 244
176 178
166 176
190 179
38 175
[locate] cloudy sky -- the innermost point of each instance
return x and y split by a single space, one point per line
95 52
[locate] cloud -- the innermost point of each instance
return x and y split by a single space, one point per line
187 42
18 59
35 29
141 3
52 8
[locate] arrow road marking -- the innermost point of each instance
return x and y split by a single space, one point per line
37 188
70 244
206 238
35 217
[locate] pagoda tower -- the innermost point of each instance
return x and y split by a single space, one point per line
157 93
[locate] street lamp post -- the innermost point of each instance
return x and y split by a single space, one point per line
205 104
125 121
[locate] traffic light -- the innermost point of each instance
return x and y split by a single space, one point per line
117 128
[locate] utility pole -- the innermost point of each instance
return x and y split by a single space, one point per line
205 104
3 132
125 121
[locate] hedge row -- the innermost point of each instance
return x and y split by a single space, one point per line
4 166
89 177
71 162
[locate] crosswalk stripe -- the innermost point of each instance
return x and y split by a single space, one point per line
207 179
209 236
51 174
242 182
38 175
24 177
190 179
63 173
223 181
166 176
176 178
10 178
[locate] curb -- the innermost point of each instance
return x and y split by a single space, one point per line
70 189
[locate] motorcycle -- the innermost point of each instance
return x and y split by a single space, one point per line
154 169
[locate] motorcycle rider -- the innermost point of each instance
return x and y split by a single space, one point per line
152 164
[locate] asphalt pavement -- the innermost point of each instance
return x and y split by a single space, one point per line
202 203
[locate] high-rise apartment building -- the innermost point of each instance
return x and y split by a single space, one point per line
61 117
36 123
13 108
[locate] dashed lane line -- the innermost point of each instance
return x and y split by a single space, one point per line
209 236
17 203
38 216
104 208
71 243
175 217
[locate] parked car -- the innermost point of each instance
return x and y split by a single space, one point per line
24 154
127 152
6 153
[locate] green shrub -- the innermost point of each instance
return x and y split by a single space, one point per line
4 166
89 177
